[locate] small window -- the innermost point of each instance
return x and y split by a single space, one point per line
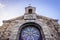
30 11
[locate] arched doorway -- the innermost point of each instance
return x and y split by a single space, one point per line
30 31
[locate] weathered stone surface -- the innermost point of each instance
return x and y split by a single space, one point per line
50 29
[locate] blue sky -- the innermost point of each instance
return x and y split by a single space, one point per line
13 8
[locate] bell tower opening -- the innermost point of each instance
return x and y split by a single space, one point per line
30 11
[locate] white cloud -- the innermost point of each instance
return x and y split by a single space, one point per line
1 6
1 12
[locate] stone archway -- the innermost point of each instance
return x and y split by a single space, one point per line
31 24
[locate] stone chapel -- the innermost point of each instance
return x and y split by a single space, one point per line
30 26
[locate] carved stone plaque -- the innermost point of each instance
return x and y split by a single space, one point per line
30 17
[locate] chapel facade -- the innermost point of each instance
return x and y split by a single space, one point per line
30 26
